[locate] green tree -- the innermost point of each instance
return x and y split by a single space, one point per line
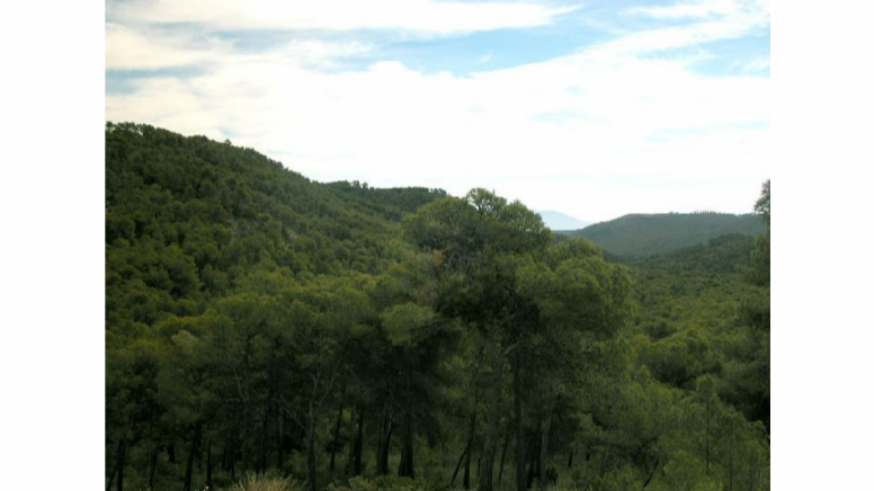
474 242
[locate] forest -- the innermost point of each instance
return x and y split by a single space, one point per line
641 235
263 329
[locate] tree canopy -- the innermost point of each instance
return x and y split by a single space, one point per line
358 338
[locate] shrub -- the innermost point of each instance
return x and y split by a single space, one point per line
262 482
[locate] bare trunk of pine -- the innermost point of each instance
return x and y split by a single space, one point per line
652 471
117 463
544 446
121 466
468 450
467 458
358 445
488 456
280 442
517 423
311 446
458 466
532 457
707 439
406 468
263 437
336 440
153 466
189 468
604 461
385 441
504 454
209 463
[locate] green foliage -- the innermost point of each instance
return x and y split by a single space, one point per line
647 235
258 323
385 483
686 472
761 256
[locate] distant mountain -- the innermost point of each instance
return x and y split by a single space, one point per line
640 235
556 220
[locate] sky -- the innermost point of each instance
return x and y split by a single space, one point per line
594 109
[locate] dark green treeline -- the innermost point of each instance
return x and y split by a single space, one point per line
260 322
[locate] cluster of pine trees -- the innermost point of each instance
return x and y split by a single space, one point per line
364 338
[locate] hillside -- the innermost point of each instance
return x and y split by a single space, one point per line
726 254
645 235
189 219
258 322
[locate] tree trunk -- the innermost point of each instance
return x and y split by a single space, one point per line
359 442
731 457
533 454
406 466
504 454
190 466
405 469
707 439
458 465
604 461
230 454
570 459
263 439
382 453
335 443
311 446
280 442
118 470
153 467
488 455
544 446
538 468
652 471
121 459
471 434
387 448
517 422
115 469
209 463
467 456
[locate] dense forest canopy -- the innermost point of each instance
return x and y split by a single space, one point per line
347 337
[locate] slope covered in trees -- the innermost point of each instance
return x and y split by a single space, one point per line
641 235
359 338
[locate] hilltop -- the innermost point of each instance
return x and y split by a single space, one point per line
189 220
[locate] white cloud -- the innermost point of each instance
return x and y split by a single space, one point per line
577 116
580 133
716 20
699 10
758 64
139 49
426 16
130 49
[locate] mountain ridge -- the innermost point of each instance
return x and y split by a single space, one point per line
648 234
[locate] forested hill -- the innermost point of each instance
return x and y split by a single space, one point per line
189 219
349 338
726 254
646 235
